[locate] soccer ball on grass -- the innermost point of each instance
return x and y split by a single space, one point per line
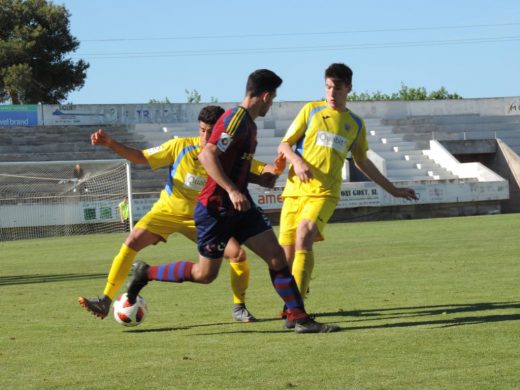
127 314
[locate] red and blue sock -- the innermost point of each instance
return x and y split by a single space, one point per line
287 289
177 272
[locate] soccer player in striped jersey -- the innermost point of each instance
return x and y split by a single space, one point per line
225 208
321 134
173 212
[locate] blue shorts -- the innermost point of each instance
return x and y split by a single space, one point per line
214 228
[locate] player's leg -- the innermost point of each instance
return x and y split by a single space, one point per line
288 226
137 240
313 216
255 231
239 278
211 242
287 234
154 227
296 238
204 272
183 270
266 246
303 262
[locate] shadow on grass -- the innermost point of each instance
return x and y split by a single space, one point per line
406 316
449 315
231 323
30 279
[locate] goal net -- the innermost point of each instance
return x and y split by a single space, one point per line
60 198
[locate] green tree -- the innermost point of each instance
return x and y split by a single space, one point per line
159 101
405 93
442 93
193 96
34 41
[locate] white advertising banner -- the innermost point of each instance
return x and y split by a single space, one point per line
368 194
28 214
106 114
361 194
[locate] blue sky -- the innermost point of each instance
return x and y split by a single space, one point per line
141 50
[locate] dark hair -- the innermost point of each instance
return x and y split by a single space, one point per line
210 114
339 71
262 80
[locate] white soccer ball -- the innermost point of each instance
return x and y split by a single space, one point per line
127 314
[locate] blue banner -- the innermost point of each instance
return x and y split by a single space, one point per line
19 115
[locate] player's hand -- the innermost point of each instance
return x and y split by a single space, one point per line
239 201
279 164
267 180
303 171
100 138
268 176
407 193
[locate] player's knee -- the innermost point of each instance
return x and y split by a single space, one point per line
133 242
206 276
277 260
305 235
237 256
139 239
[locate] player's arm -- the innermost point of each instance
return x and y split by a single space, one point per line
263 174
131 154
208 157
295 132
301 169
370 170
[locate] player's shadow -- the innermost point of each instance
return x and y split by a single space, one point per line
174 328
447 315
39 278
242 326
444 316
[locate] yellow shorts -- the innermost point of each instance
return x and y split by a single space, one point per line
295 209
164 224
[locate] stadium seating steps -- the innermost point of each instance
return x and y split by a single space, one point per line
399 142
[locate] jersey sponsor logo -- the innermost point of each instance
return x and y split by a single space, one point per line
330 140
224 142
247 156
154 150
194 182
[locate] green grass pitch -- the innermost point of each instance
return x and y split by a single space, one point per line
425 304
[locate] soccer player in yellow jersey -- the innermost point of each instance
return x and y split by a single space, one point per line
173 212
321 134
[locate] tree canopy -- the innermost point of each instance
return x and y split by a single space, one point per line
34 41
405 93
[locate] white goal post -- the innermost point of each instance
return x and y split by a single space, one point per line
53 198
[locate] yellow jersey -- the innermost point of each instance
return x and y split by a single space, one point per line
186 175
323 138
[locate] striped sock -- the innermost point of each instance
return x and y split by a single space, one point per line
287 289
177 272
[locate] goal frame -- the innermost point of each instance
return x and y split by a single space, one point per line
58 199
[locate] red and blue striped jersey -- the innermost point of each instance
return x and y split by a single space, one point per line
234 134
